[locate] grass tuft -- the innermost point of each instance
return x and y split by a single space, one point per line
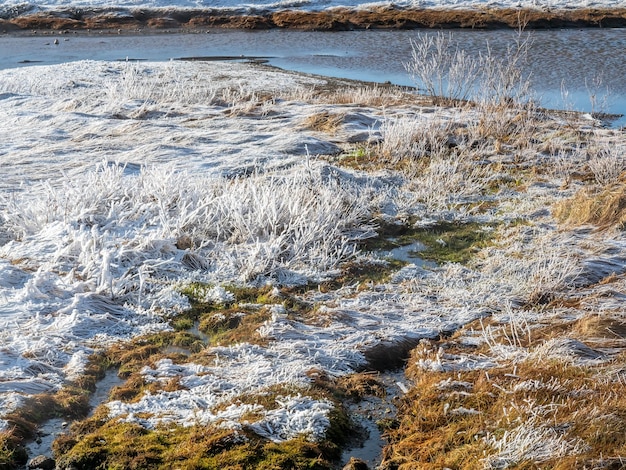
324 122
605 208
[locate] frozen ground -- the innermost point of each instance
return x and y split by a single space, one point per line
123 182
10 6
107 165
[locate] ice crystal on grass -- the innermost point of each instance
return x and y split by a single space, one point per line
531 441
118 230
295 416
209 195
608 163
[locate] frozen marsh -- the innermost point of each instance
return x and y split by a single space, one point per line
218 233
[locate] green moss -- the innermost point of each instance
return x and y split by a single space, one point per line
360 157
114 444
452 242
183 323
251 295
233 326
195 291
200 307
101 443
390 236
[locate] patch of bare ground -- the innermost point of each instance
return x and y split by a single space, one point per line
338 19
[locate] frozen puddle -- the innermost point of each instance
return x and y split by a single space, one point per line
410 254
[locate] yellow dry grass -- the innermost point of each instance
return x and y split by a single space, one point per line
324 122
459 419
605 208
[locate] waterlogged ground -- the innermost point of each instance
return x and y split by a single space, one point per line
248 248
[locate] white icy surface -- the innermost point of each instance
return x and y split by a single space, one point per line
252 6
107 167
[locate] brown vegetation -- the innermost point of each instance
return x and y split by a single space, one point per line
533 407
334 20
605 208
324 122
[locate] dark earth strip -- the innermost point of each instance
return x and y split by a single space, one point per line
340 19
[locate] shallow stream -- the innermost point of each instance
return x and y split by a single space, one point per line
372 414
52 428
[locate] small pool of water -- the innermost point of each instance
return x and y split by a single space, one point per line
409 254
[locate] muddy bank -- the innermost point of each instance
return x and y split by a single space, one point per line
340 19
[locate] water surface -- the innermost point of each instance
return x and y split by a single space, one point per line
583 62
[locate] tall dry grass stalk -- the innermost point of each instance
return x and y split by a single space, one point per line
441 69
607 163
495 85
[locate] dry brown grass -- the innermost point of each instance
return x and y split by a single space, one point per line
474 419
361 384
604 208
326 122
336 19
600 327
368 96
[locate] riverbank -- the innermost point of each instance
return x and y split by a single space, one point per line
335 19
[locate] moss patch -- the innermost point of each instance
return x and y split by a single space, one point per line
361 157
452 242
102 443
233 326
99 443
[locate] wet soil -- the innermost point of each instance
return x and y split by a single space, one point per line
51 429
340 19
372 415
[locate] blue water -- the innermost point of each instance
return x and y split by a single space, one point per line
574 59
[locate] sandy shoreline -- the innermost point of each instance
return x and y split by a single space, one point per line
336 19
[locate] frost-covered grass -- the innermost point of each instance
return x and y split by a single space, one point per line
217 232
15 7
552 399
